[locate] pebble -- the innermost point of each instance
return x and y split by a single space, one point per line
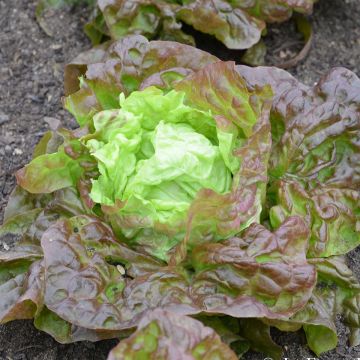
53 123
56 46
8 148
6 247
17 151
4 118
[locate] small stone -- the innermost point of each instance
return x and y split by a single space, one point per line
56 46
17 151
282 54
6 247
8 148
4 118
53 123
121 269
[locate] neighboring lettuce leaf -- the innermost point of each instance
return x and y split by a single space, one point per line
43 5
164 335
238 24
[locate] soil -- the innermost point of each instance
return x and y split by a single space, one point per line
31 75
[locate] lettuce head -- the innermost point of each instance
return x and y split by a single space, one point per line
167 165
192 187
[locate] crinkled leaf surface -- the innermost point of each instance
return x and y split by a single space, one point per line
314 165
336 292
21 286
176 167
238 24
86 280
241 275
164 335
99 284
125 66
95 282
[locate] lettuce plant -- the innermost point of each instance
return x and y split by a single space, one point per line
237 24
193 188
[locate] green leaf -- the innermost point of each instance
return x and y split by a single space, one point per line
257 274
336 292
237 24
21 286
48 173
125 66
65 332
162 334
258 335
314 163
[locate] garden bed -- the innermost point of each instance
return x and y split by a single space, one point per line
30 91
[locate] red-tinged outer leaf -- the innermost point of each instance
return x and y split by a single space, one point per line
123 66
86 290
232 104
48 144
226 96
20 223
238 24
22 211
336 293
331 211
48 173
315 155
65 332
239 276
94 282
21 201
164 335
232 25
21 287
306 119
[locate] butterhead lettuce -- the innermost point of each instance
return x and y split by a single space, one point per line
169 164
192 187
154 155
